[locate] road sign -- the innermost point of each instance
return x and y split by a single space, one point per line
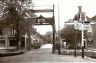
76 24
81 26
87 25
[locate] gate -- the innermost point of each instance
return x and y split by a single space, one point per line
46 21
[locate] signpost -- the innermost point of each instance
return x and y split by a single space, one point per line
81 23
84 25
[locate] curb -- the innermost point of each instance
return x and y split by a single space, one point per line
11 54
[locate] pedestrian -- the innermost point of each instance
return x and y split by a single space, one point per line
58 47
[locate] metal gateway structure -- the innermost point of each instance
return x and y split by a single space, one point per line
46 21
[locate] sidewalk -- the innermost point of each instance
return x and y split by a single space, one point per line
87 52
10 52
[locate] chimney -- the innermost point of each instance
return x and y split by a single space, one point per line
80 9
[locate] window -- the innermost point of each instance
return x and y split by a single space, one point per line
2 43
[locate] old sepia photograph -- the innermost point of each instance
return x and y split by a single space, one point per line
47 31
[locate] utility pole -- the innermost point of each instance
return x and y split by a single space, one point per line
53 26
59 38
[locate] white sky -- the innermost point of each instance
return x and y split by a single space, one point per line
67 10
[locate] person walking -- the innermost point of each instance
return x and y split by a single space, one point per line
58 47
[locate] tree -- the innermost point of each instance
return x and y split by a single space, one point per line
49 37
12 0
70 35
12 18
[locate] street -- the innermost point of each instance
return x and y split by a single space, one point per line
44 55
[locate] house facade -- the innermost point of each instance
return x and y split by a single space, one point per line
8 39
94 32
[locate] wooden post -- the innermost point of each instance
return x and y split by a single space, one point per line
53 26
25 41
6 41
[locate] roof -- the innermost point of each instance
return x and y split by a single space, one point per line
94 18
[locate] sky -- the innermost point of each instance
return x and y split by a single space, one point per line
64 10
